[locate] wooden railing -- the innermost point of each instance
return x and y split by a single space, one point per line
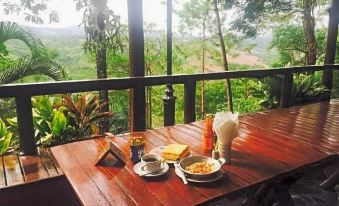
23 92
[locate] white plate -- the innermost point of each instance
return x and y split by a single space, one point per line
216 177
137 169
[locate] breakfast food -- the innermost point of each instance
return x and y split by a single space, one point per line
200 168
175 151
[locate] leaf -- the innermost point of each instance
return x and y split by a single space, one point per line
3 129
59 123
5 142
28 67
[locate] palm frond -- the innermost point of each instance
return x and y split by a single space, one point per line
11 30
28 67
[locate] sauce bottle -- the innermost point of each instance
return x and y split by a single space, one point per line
208 133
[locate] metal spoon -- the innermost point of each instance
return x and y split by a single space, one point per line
179 172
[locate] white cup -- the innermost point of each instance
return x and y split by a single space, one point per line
151 163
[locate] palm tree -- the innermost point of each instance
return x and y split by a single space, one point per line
37 64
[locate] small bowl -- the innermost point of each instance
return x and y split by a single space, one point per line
217 164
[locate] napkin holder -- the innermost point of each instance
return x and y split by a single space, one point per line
226 129
119 158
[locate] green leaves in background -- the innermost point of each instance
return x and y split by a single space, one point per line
5 138
59 123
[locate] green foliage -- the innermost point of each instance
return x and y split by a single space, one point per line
84 114
10 30
32 9
290 42
306 89
253 16
27 67
5 138
50 123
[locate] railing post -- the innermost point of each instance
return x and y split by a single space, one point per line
169 98
189 98
286 89
25 124
331 45
169 106
137 64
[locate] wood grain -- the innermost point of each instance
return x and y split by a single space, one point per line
267 148
33 168
12 170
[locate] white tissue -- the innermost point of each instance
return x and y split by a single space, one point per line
226 125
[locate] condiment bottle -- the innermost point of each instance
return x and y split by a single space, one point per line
208 132
137 149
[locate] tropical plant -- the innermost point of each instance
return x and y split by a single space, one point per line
25 67
51 126
84 114
37 64
5 138
306 89
12 70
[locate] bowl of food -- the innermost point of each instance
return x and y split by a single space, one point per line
201 167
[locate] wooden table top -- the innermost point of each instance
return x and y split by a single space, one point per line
259 154
316 124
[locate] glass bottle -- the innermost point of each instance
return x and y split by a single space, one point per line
208 132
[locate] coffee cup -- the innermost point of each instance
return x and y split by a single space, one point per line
151 163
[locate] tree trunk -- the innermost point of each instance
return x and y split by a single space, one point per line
224 57
203 70
101 74
309 29
148 108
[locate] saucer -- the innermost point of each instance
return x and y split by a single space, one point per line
137 169
215 177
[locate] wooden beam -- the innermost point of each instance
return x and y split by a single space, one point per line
76 86
331 44
25 124
137 64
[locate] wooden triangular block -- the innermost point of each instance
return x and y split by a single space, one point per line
119 158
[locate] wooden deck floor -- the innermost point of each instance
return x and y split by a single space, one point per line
16 170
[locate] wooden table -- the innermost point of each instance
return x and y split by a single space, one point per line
261 153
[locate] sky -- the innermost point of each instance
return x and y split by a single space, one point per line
153 11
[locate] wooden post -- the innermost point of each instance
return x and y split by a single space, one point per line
331 44
137 64
189 98
169 98
25 125
286 89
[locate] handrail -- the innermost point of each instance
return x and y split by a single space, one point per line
24 92
35 89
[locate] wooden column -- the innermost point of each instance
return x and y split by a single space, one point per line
25 125
169 98
331 44
137 64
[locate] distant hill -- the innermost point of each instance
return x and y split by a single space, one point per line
70 32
